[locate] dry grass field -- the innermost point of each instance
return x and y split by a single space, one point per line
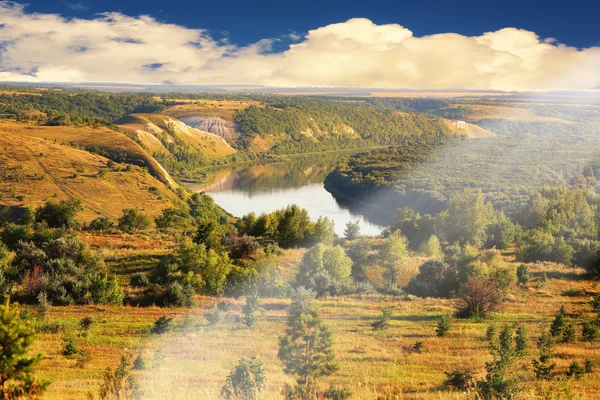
221 108
35 167
373 364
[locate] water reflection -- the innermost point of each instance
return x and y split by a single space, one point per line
268 187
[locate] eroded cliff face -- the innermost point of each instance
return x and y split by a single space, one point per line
213 124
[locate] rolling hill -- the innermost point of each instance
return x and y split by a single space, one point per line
40 163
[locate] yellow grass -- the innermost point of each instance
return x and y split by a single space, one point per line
221 108
374 365
35 169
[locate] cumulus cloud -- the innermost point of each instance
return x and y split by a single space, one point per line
113 47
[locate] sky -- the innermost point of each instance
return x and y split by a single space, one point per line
509 45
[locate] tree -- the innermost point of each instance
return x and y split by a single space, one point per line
133 220
16 365
393 250
558 325
467 218
251 308
383 320
498 384
352 230
432 247
589 332
306 347
542 366
481 296
327 260
119 383
443 326
521 341
245 380
59 214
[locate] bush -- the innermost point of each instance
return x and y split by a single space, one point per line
178 295
435 279
69 347
245 380
383 321
575 371
213 315
139 364
59 214
481 296
443 326
104 290
589 332
523 274
133 220
162 325
242 246
139 279
101 224
459 380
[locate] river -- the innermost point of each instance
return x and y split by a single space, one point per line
268 187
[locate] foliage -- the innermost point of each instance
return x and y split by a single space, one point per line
443 326
120 383
306 347
162 325
575 371
498 383
589 332
542 366
331 262
481 296
17 379
245 380
133 220
392 252
250 309
460 380
101 224
382 321
352 230
59 214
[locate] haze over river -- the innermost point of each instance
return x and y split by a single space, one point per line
269 187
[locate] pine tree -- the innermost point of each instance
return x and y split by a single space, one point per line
542 366
443 326
251 308
498 384
556 329
522 340
306 347
16 366
589 332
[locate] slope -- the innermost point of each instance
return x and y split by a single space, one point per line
35 166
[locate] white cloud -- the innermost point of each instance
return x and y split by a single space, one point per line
114 47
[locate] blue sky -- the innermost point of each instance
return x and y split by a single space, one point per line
508 45
570 22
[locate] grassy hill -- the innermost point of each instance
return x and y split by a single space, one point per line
38 163
160 133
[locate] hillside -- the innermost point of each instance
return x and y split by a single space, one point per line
40 163
162 133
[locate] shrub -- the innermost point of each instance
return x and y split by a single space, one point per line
139 279
352 230
431 248
162 325
104 290
245 380
443 326
139 364
158 358
337 393
171 218
490 332
101 224
242 246
435 279
59 214
120 383
133 220
69 347
251 307
542 366
589 332
558 325
575 371
523 274
521 341
178 295
383 321
459 380
83 357
481 296
569 333
213 315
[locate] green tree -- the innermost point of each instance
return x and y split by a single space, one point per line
245 380
352 230
306 347
16 365
322 259
467 218
521 341
589 332
393 250
119 383
59 214
558 325
383 320
498 382
542 366
133 220
443 326
431 248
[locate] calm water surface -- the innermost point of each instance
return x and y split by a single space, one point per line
268 187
